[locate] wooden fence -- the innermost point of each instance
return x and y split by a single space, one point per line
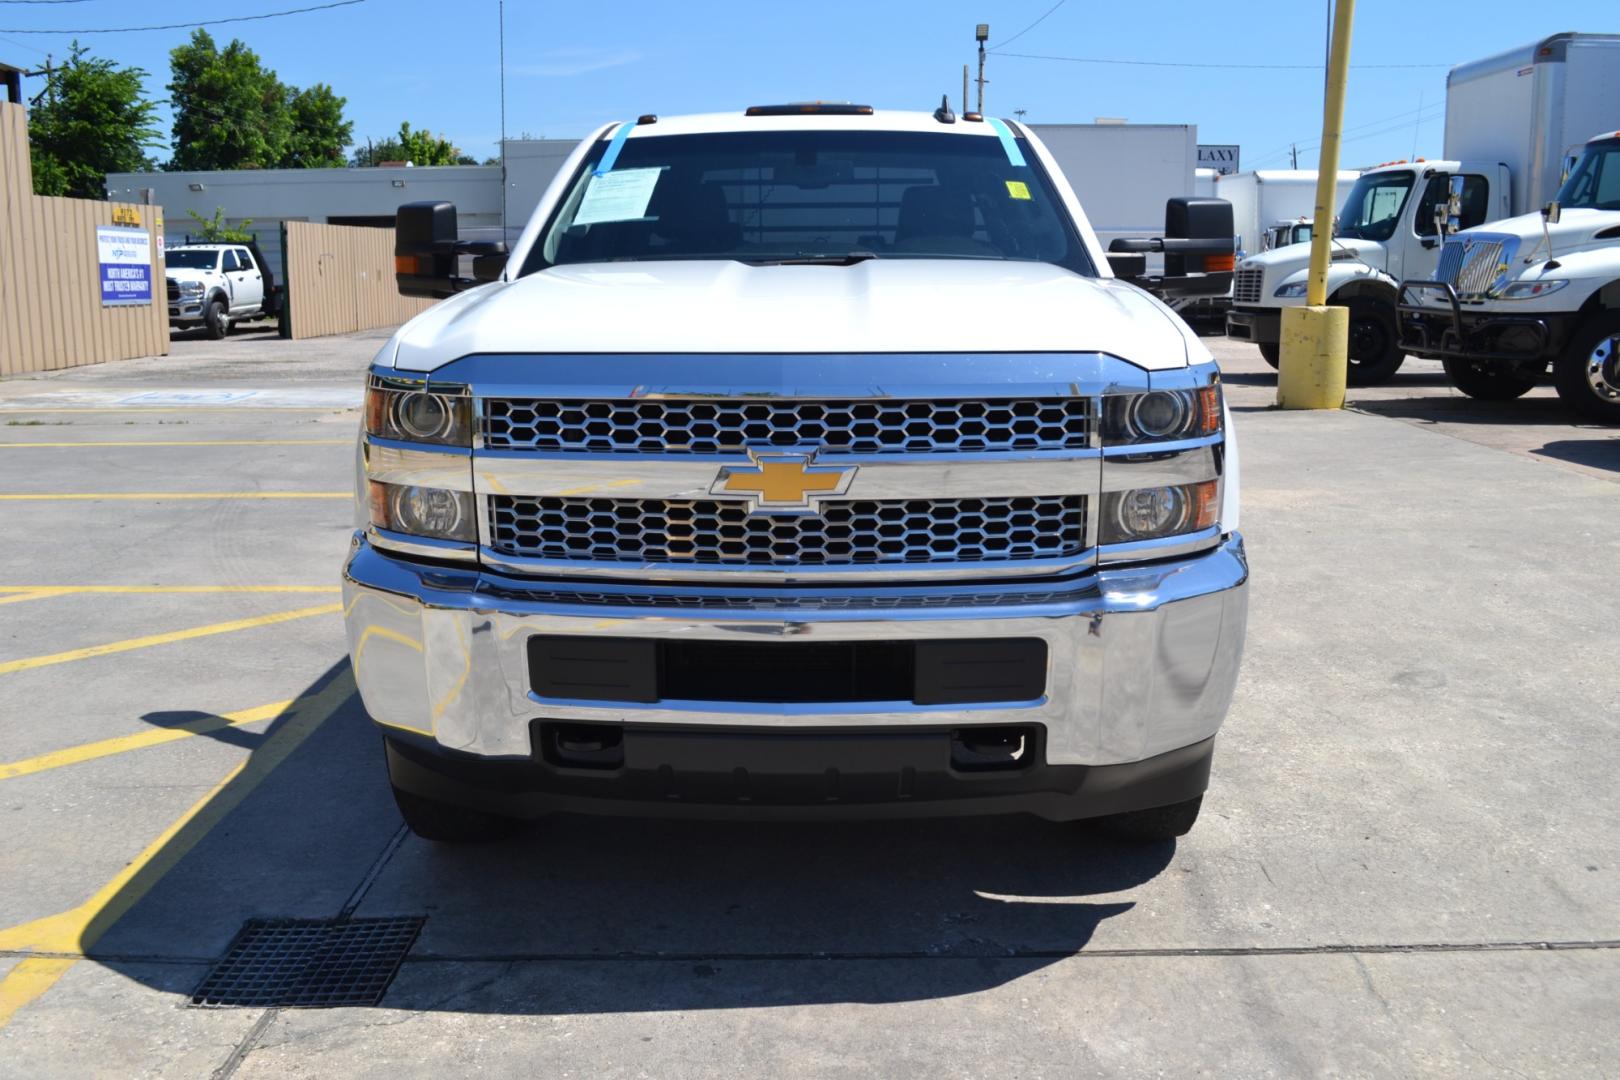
340 278
51 315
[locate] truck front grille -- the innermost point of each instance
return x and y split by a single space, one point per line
1246 286
872 426
174 290
1471 268
840 532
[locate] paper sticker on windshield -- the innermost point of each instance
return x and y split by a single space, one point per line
621 195
1017 189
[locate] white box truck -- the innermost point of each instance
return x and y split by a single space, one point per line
1513 123
1273 207
1125 173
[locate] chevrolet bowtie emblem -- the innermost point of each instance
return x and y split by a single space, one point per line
782 482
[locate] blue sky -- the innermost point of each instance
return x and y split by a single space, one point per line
573 66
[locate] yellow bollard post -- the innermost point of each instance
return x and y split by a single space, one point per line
1311 373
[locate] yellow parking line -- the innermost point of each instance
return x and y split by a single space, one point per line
7 410
76 930
179 442
157 496
59 590
28 663
73 755
19 595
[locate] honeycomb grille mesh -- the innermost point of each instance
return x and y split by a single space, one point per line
848 532
677 426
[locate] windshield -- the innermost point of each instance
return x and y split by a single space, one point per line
1374 206
1595 183
191 260
810 196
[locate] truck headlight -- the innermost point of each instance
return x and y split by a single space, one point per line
191 288
1530 290
1156 512
423 511
1161 416
1292 291
408 412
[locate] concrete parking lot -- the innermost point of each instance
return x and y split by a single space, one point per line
1407 862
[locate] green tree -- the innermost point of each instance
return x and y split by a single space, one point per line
93 119
319 131
230 111
416 146
214 230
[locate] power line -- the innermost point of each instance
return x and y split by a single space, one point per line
1295 143
188 25
1030 27
24 45
44 1
1180 64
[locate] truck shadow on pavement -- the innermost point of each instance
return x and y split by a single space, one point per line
608 915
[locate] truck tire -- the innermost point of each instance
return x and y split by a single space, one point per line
1485 383
216 320
1159 823
447 823
1271 353
1374 349
1588 373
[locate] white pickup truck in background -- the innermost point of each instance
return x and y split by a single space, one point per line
216 285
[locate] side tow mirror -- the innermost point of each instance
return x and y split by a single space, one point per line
428 250
1198 245
1551 212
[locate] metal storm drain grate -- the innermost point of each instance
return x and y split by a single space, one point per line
309 963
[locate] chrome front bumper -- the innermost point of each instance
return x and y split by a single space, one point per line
1142 660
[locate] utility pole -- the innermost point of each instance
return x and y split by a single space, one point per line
964 87
1293 156
1315 338
981 33
1020 113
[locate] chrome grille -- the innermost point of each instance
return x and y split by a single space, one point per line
1471 269
842 532
1246 286
682 426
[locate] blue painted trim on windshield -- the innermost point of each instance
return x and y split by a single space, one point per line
611 155
1008 143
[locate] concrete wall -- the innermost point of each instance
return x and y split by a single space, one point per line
51 314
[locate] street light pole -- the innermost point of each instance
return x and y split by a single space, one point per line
981 32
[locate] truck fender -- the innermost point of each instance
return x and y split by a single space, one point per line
217 292
1380 287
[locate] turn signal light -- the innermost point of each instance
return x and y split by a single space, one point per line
1214 264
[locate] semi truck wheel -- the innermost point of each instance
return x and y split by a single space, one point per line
1588 373
1486 383
1374 350
450 824
1271 353
1159 823
216 320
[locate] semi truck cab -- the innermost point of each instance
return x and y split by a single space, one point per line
1384 232
1514 297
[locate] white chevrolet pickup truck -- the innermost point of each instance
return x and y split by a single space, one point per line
804 460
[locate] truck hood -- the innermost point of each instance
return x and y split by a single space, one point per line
881 305
1576 228
183 273
1278 263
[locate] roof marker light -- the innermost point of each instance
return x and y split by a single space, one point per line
810 108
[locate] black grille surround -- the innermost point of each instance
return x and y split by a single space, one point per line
868 426
838 533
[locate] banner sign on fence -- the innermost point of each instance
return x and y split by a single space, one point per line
125 256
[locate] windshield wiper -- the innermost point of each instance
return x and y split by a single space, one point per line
806 258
